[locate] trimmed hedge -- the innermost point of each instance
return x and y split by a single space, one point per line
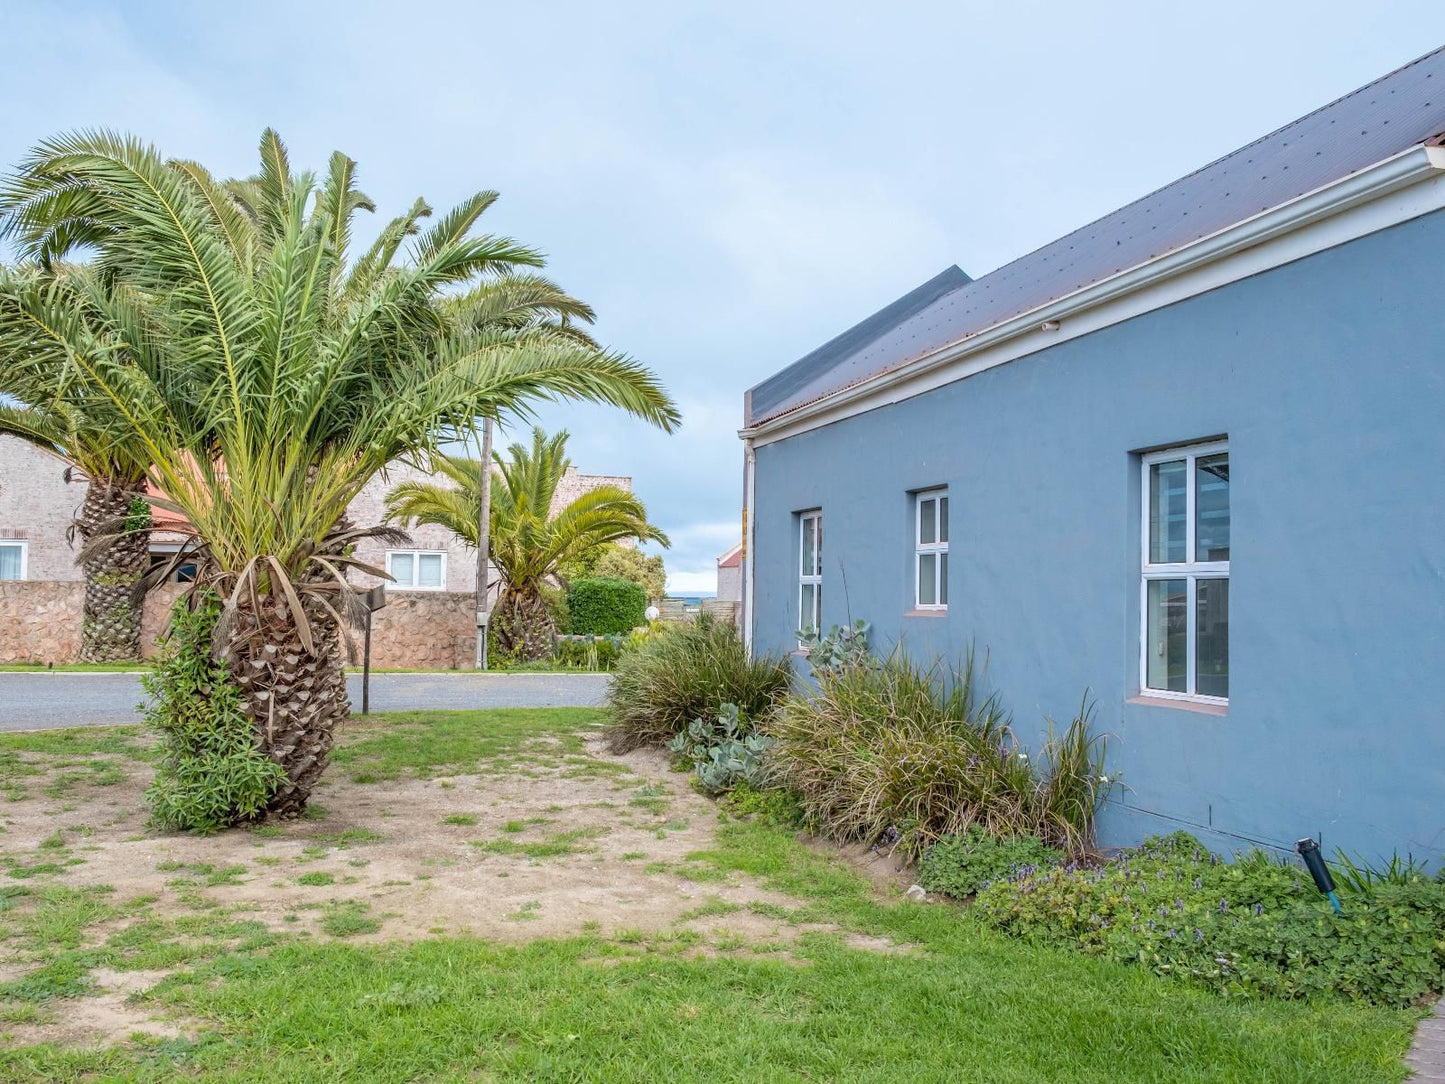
604 606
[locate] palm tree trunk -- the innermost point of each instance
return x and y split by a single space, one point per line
525 629
110 626
295 697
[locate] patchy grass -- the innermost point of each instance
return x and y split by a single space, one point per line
426 744
460 818
554 846
318 998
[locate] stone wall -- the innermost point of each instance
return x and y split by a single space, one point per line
37 506
40 621
432 630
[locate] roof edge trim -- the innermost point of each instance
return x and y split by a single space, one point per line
1390 175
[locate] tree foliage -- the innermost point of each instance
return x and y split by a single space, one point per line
529 544
264 370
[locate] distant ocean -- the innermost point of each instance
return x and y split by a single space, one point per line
693 600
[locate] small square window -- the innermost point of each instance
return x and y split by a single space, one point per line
12 559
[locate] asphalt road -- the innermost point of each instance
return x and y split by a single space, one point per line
43 701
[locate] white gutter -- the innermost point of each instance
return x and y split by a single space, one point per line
1400 171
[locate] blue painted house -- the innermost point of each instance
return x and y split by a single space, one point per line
1041 462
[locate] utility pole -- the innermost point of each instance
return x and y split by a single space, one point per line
484 547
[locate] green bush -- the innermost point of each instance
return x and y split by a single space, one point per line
588 652
721 751
1253 927
683 673
212 773
960 865
897 752
772 805
605 605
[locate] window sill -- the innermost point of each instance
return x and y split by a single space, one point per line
1203 707
926 613
402 588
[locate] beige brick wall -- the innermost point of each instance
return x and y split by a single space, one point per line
37 505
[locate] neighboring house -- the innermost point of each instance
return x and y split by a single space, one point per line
730 575
1038 464
438 560
38 502
430 624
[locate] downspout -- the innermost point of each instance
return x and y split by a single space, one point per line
750 464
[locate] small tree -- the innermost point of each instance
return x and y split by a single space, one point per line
529 545
629 563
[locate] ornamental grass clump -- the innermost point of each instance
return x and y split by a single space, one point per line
687 673
897 751
1251 927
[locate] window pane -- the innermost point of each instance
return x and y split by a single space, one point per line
943 519
399 565
818 544
1165 641
806 609
927 579
810 524
9 562
429 570
1211 614
818 607
1168 512
943 578
927 522
1211 507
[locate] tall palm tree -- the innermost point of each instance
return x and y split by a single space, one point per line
529 545
50 411
267 372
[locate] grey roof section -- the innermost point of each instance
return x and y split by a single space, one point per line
1401 110
772 394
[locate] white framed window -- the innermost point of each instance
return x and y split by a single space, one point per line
1184 593
14 554
930 550
417 570
810 572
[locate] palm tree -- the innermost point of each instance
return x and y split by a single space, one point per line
266 372
50 411
529 545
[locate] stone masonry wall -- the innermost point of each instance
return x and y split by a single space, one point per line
432 630
40 622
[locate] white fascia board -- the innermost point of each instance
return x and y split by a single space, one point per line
1402 187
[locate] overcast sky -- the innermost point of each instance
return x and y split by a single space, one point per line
729 185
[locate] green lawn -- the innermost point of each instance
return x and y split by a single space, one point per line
947 1001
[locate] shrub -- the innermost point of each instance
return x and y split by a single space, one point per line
683 673
722 752
212 773
630 563
602 605
843 646
587 652
1255 926
960 865
908 753
772 805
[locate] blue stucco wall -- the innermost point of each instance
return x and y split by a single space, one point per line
1328 377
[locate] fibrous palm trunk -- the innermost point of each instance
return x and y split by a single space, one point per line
110 626
525 626
294 696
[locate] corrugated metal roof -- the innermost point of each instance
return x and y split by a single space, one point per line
1401 110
